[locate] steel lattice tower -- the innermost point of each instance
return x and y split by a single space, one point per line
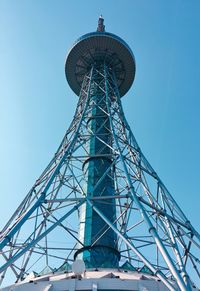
99 200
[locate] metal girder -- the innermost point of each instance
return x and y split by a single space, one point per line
150 227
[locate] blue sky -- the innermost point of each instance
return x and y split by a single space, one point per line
162 107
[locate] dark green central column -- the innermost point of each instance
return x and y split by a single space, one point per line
100 243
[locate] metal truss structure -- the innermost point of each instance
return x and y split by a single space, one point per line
150 228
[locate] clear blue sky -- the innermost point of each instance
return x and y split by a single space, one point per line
162 107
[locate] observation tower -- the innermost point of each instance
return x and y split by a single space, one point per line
99 217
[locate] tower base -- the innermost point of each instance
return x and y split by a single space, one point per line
99 279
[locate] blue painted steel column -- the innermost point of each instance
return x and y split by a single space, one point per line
100 250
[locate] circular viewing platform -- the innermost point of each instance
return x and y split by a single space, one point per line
98 47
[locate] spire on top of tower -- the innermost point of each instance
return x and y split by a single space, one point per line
101 26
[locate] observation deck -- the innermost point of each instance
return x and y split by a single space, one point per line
98 48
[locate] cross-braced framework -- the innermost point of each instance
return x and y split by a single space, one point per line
150 227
